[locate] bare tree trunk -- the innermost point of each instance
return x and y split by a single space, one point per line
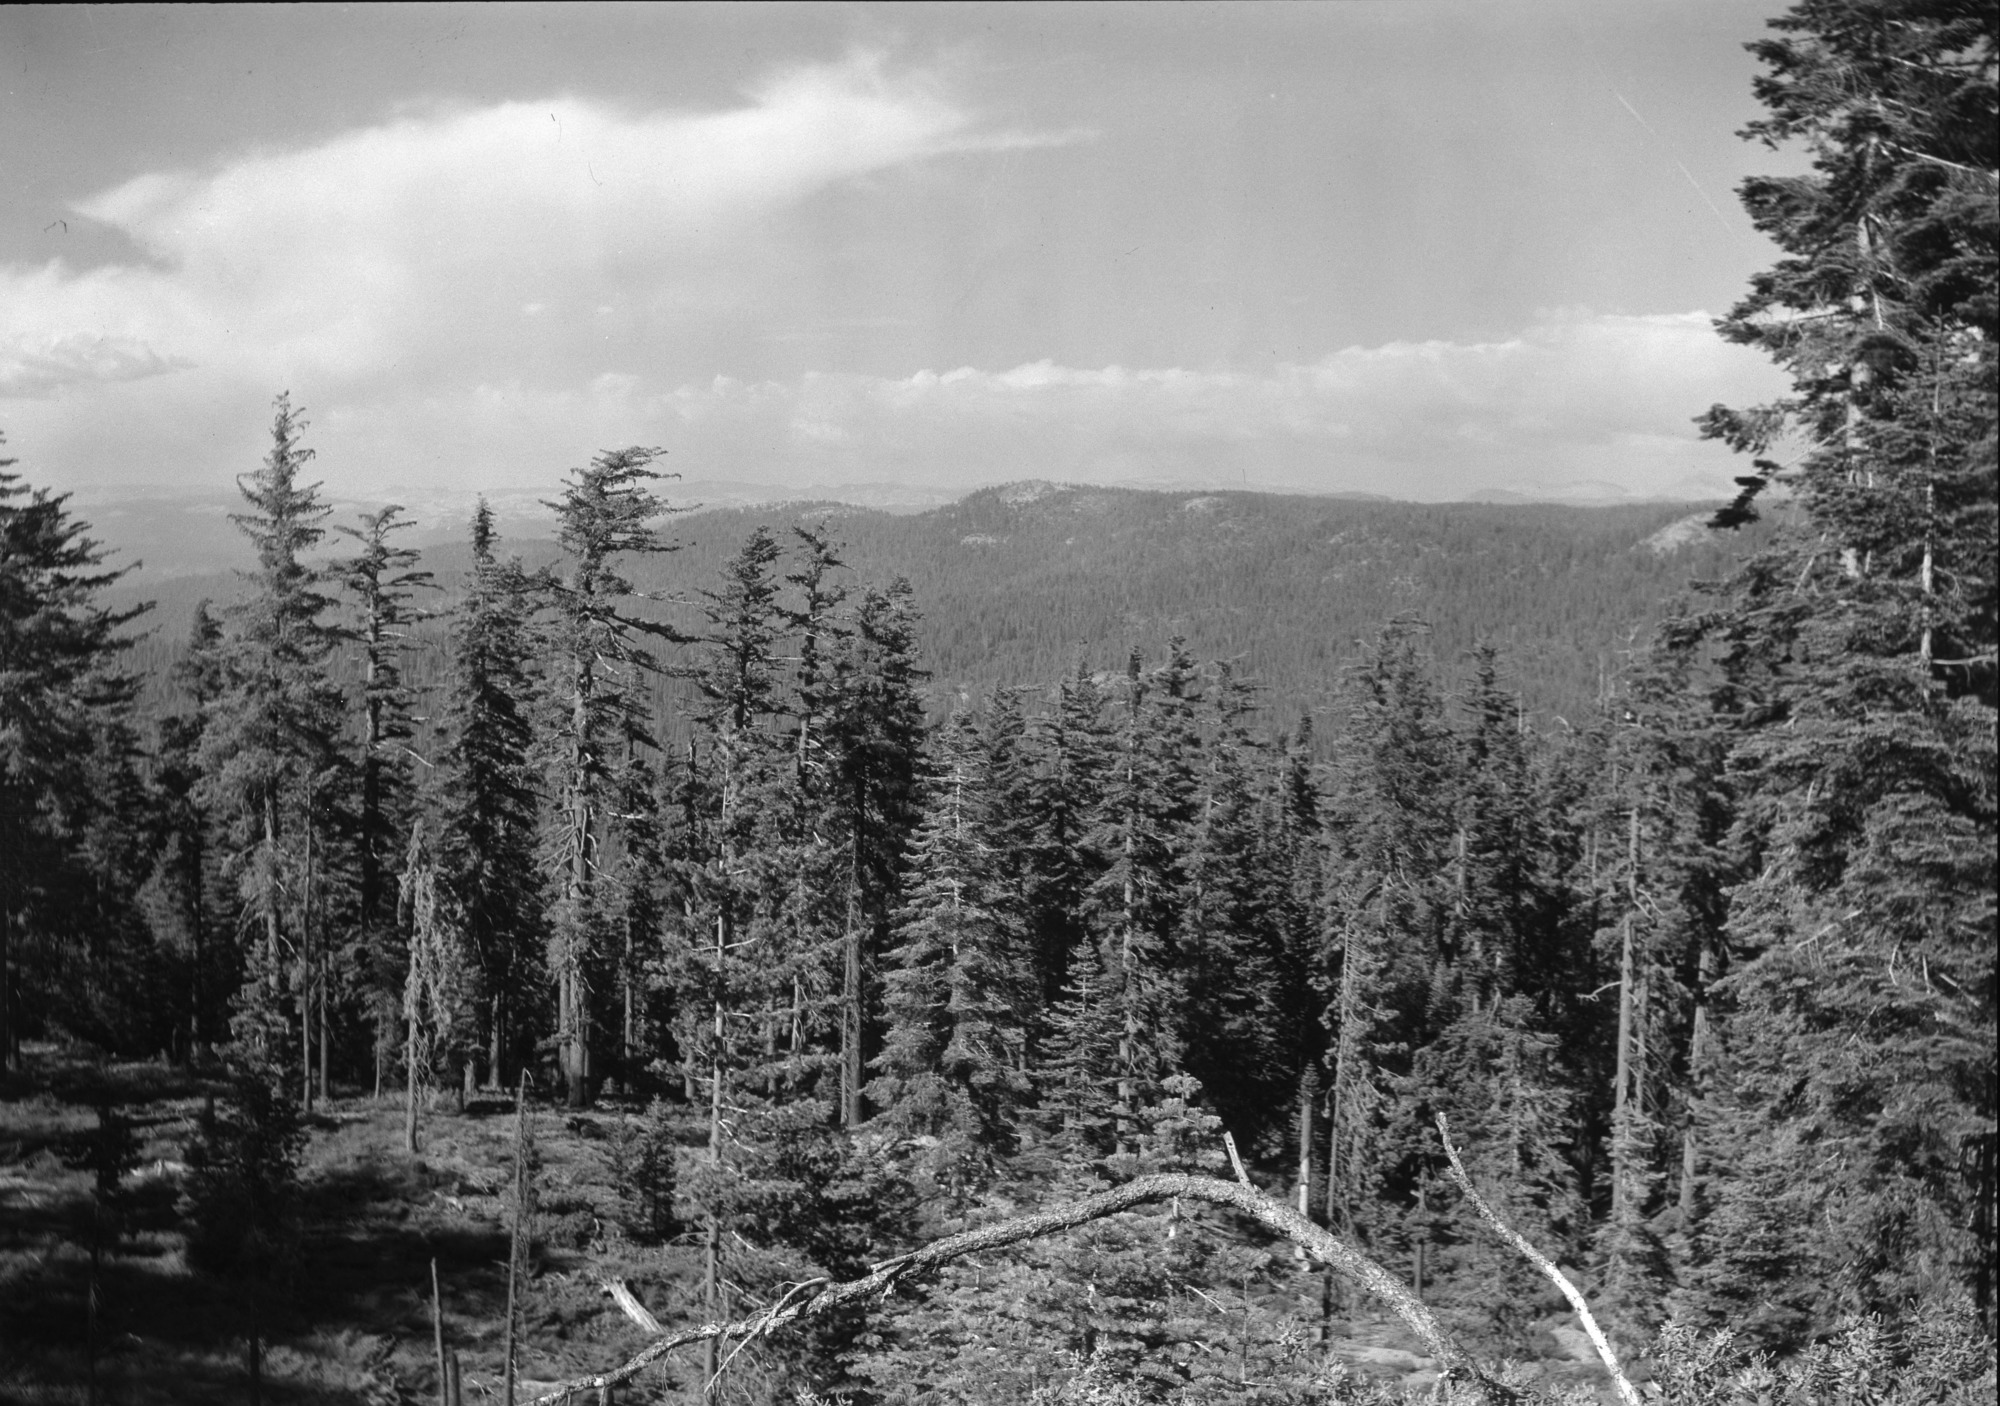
574 1015
1622 1110
1621 1080
306 963
514 1235
1417 1250
851 994
273 946
197 927
495 1076
410 1085
1343 1074
1697 1056
711 1272
437 1335
628 1054
1308 1096
325 1087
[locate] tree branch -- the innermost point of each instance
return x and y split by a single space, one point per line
1626 1392
1452 1360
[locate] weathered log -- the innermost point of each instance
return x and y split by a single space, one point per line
633 1309
1626 1392
1452 1360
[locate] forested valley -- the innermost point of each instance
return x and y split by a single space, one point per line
669 990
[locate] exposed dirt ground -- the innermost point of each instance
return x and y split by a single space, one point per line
356 1326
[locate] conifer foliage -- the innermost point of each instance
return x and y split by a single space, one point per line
62 696
486 799
1705 981
1863 920
607 510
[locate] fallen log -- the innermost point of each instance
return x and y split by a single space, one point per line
1626 1392
816 1297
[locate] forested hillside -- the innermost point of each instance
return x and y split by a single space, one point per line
780 934
1017 585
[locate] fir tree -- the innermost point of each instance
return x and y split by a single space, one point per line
744 964
59 652
1138 901
241 1200
957 996
1390 898
1232 943
486 797
382 579
1864 930
875 735
606 511
270 755
814 620
183 894
1071 747
438 992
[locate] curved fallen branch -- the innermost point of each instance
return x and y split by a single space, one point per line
1626 1392
1453 1362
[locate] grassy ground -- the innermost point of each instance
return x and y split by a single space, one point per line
355 1326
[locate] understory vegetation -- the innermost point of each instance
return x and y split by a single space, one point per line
547 982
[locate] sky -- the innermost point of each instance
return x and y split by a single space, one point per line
1394 246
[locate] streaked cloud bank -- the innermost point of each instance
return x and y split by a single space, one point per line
482 296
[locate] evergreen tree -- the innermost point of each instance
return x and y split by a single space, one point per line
1295 958
60 691
816 624
1071 747
875 735
1077 1077
743 963
1235 949
1861 999
382 579
270 754
486 798
439 999
958 996
107 992
241 1200
596 642
183 895
1390 898
1137 903
1158 1305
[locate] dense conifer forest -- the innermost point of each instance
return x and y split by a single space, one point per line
1021 583
446 979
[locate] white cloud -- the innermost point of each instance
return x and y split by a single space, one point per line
32 369
416 246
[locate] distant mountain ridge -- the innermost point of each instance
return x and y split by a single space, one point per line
1021 583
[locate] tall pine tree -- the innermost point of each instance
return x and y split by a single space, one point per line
271 757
